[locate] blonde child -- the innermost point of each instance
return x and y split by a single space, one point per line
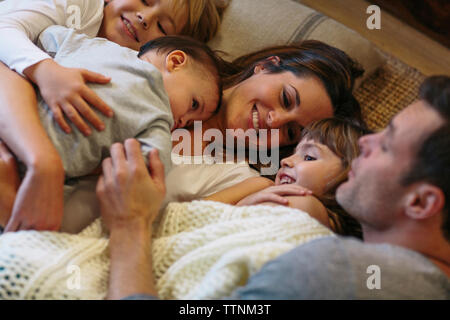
129 23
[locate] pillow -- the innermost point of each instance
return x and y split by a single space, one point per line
250 25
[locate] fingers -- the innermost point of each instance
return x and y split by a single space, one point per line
271 197
108 174
118 158
290 189
85 110
59 118
156 167
134 156
75 118
90 76
92 98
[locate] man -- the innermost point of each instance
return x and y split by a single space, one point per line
398 189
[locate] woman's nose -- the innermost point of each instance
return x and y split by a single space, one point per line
276 119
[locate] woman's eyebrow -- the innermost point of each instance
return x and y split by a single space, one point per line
297 96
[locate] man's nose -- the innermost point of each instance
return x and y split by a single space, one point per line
366 143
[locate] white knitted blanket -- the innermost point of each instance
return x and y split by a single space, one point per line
201 250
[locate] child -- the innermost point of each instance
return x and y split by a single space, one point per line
174 80
129 23
320 163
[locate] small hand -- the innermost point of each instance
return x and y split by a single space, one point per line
127 191
275 194
66 93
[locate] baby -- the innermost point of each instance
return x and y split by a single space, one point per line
174 81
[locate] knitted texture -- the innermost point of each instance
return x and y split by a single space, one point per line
201 250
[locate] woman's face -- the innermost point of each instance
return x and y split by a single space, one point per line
313 166
276 101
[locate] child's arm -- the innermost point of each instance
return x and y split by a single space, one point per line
234 194
39 202
21 22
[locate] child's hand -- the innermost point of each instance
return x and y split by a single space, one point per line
9 183
126 190
275 194
39 202
65 89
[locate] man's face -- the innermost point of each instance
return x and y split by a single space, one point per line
373 193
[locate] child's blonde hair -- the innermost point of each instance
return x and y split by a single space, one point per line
204 17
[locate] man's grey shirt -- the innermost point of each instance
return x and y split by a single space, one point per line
136 94
344 268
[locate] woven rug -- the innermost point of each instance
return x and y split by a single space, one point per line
390 89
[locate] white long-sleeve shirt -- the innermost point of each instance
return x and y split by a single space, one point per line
21 22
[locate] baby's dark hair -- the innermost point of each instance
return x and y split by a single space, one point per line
341 137
197 50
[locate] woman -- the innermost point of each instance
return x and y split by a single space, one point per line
268 84
286 88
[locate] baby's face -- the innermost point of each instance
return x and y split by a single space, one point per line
313 166
132 23
193 95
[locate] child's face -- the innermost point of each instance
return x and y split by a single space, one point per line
132 23
313 166
193 95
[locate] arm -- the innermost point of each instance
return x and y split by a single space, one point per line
62 88
130 198
21 130
312 206
234 194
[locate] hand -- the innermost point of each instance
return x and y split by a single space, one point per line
40 200
127 191
9 183
275 194
65 91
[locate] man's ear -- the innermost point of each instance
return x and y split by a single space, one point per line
261 66
175 60
424 201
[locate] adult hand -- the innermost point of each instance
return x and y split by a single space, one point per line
39 203
65 91
127 191
275 194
